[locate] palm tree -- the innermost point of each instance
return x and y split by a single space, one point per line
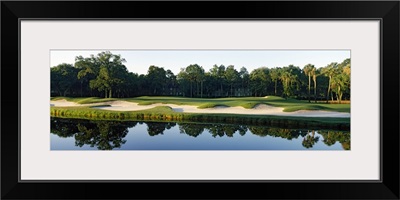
330 71
314 74
339 83
308 70
287 78
275 73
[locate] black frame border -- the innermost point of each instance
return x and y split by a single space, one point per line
386 11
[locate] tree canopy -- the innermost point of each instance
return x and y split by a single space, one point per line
105 75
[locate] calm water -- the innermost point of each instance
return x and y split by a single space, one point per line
72 134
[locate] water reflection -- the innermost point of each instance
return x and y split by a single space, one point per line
108 135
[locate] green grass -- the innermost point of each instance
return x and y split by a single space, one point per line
84 100
165 113
306 107
289 105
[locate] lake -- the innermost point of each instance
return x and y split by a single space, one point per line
77 134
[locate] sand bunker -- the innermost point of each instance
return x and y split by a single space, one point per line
260 109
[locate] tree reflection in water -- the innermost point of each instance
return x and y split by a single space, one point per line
310 140
331 137
105 135
193 130
108 135
158 128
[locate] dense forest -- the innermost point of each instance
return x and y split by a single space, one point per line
105 75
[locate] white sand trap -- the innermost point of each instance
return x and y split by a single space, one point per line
63 103
260 109
318 113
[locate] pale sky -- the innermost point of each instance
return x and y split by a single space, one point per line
138 61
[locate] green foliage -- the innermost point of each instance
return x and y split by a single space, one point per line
105 75
63 77
259 81
157 79
165 113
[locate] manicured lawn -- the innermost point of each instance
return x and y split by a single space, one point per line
84 100
165 113
289 105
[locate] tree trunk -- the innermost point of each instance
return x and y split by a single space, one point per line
65 91
315 88
309 88
222 93
201 95
197 89
329 88
276 82
287 89
191 89
81 88
110 95
231 90
105 93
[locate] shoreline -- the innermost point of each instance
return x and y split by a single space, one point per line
260 109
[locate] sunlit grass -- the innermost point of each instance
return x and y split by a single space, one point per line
166 113
289 105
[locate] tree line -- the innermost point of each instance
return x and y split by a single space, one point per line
105 75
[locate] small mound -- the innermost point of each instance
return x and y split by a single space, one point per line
220 107
306 107
211 105
100 106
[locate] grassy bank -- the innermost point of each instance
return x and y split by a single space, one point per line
165 113
289 105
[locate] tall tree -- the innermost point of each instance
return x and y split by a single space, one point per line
245 78
201 77
88 70
329 71
315 73
63 77
288 78
275 74
260 80
171 82
341 80
194 73
108 69
231 76
309 69
219 73
157 79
